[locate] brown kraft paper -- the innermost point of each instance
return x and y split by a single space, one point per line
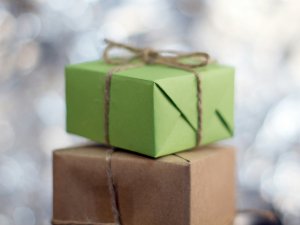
195 187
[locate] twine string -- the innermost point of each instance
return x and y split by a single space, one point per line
112 188
107 88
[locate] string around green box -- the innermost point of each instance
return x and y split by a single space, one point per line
148 56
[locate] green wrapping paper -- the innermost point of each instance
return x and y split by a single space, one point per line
153 108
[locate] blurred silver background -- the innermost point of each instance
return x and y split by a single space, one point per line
39 37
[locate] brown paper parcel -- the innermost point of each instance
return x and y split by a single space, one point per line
195 187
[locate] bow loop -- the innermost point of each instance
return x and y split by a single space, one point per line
175 59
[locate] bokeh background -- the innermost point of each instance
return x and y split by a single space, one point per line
39 37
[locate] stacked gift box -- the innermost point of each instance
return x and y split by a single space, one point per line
157 164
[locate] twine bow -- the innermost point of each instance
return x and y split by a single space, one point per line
150 56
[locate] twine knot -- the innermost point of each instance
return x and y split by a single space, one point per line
149 56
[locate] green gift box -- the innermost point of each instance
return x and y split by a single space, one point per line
153 108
